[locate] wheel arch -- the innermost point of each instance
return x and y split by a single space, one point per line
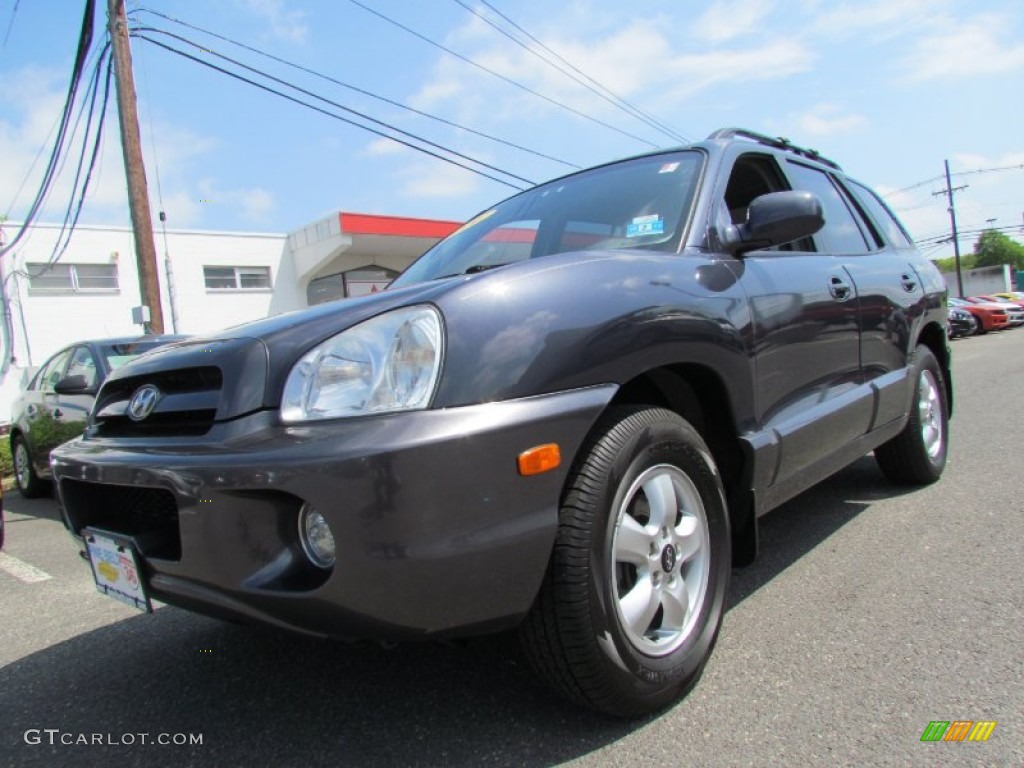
934 337
699 394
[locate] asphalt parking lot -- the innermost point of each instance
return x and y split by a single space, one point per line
872 611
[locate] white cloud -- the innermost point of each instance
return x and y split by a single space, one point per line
437 180
728 19
250 203
883 18
640 60
285 23
965 48
383 148
33 102
825 119
34 99
256 203
773 60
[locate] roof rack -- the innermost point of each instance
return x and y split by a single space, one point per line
778 142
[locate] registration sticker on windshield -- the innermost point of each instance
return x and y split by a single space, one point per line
669 168
645 225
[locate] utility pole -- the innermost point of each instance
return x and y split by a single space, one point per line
948 191
135 172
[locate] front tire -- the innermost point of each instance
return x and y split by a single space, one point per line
917 455
635 591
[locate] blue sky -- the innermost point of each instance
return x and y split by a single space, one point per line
888 88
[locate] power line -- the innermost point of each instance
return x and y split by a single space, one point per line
71 220
80 190
580 77
84 44
501 77
933 179
342 107
966 233
10 24
359 90
268 89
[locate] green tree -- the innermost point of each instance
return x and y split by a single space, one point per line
949 264
994 249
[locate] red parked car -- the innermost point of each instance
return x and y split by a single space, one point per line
1014 309
990 316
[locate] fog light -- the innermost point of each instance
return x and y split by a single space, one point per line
316 537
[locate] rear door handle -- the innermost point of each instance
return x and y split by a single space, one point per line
839 288
908 282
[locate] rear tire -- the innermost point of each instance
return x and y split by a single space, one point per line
30 485
917 455
634 595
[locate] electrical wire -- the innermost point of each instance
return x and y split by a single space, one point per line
359 90
580 77
342 107
84 44
349 121
71 220
73 211
965 233
501 77
10 24
933 179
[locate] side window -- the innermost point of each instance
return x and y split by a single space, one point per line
751 176
841 233
884 218
83 364
53 371
754 175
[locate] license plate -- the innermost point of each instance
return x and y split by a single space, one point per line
115 568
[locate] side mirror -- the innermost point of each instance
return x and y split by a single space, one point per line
775 219
73 385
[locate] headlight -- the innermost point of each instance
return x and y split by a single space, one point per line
388 363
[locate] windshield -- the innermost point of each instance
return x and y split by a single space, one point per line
117 355
639 203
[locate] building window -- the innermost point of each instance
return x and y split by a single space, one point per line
72 278
237 278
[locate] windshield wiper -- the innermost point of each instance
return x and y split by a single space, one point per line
472 270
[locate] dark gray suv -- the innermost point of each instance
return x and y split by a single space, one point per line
567 418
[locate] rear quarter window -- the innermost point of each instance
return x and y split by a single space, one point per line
884 219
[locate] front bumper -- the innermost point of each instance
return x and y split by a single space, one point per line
436 532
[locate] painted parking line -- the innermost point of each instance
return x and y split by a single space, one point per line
22 570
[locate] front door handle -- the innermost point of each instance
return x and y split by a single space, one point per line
908 282
839 288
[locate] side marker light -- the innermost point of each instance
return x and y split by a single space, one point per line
539 459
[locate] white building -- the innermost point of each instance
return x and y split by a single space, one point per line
208 280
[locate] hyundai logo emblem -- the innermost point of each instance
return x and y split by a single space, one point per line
143 401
